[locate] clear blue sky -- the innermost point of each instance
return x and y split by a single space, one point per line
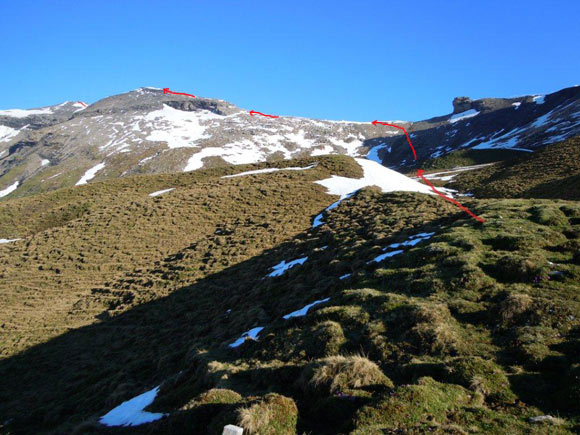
356 60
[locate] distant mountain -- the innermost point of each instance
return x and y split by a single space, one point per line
520 124
146 131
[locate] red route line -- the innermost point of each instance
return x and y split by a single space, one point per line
167 91
400 128
263 114
465 209
420 174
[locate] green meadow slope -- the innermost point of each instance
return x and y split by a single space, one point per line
552 172
424 320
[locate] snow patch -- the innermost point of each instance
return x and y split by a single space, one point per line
44 162
302 311
161 192
2 241
9 189
375 174
381 257
282 267
130 413
539 99
252 334
178 128
7 133
463 115
90 174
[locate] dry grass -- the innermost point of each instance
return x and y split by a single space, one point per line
341 373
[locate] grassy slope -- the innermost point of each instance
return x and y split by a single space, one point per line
553 172
469 157
475 329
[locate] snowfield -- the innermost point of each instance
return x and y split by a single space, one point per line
179 128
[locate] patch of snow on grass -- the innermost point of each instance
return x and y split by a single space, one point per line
463 115
381 257
2 241
44 162
375 174
517 105
267 170
282 267
411 241
302 311
130 413
90 174
9 189
252 334
161 192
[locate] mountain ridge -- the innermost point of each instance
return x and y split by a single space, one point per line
146 131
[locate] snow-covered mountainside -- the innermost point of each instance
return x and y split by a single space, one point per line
147 131
522 124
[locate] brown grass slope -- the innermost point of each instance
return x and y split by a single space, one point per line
473 330
552 172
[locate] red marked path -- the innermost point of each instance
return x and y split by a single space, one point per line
167 91
420 175
252 112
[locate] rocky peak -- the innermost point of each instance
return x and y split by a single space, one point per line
462 104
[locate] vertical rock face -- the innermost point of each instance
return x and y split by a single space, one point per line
462 104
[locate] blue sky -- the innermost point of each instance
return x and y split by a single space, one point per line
359 60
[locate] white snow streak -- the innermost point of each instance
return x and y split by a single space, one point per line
302 311
130 413
90 174
161 192
9 189
463 115
252 334
282 267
